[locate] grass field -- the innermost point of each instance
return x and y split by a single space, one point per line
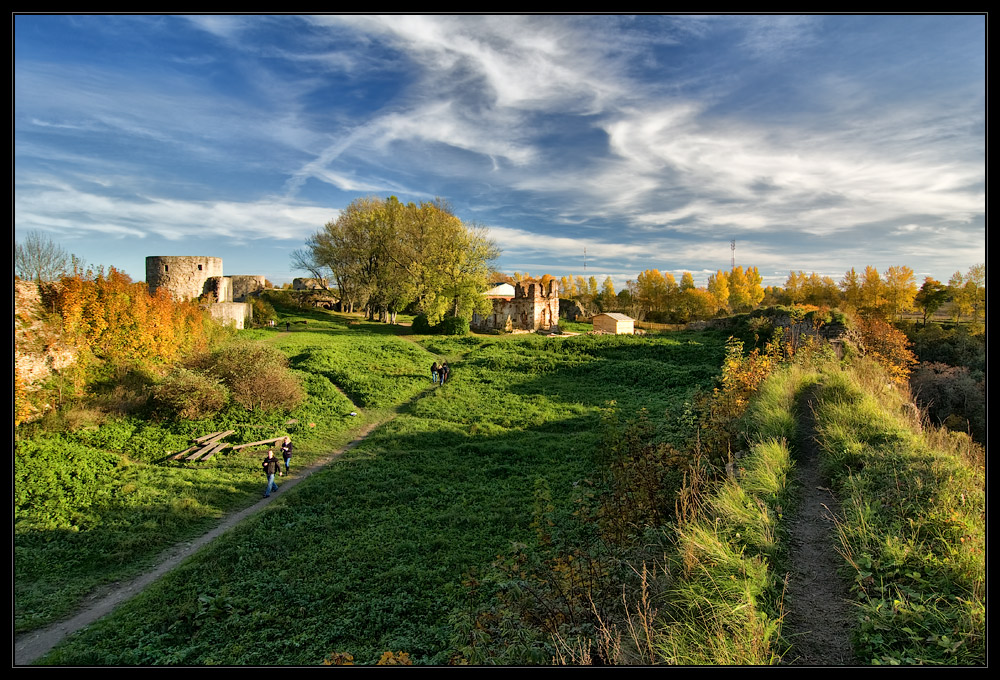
369 555
98 504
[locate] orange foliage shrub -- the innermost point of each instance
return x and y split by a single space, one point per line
887 345
119 320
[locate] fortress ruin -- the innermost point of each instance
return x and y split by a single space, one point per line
533 306
201 278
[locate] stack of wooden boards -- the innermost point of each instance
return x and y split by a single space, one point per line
210 444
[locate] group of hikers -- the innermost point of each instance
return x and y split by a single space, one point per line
272 465
440 373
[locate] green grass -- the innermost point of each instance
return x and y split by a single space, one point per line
369 555
99 504
913 532
723 603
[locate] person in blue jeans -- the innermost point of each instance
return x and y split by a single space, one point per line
286 451
271 466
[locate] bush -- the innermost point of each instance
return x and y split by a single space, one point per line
421 326
257 376
952 397
263 312
453 325
190 395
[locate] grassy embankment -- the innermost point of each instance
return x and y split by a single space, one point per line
912 533
368 555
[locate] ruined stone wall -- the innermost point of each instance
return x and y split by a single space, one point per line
39 348
184 276
243 285
309 284
220 287
231 313
533 307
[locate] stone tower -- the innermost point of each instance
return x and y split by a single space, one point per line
184 276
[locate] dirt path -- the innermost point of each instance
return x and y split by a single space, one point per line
30 646
818 618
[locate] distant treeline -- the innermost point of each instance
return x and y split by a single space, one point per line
658 297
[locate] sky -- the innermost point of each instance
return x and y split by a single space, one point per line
589 145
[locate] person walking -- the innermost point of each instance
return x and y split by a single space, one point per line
445 372
286 450
271 466
435 372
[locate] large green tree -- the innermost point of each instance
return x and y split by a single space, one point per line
384 255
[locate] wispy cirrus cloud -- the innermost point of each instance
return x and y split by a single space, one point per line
59 207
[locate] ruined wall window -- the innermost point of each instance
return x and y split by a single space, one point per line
199 267
166 267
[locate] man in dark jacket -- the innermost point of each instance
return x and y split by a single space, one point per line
271 466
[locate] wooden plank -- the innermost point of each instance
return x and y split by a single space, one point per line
262 441
214 450
204 438
183 453
218 436
200 452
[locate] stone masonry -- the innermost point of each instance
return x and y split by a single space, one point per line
191 277
534 307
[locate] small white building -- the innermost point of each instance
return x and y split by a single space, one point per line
613 322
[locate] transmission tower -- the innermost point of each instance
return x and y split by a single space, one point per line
732 260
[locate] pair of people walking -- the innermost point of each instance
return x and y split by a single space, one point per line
439 374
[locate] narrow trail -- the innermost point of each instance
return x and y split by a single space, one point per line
818 617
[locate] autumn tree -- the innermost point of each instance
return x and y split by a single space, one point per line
566 286
795 287
651 291
851 287
975 290
754 289
872 300
718 286
900 290
739 297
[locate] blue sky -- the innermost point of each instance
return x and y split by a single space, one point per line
816 142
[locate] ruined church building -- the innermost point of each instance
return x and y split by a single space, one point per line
528 306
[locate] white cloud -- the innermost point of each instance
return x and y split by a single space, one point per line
60 207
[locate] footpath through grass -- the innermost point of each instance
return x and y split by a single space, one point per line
368 555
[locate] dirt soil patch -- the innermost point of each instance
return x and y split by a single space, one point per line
818 615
